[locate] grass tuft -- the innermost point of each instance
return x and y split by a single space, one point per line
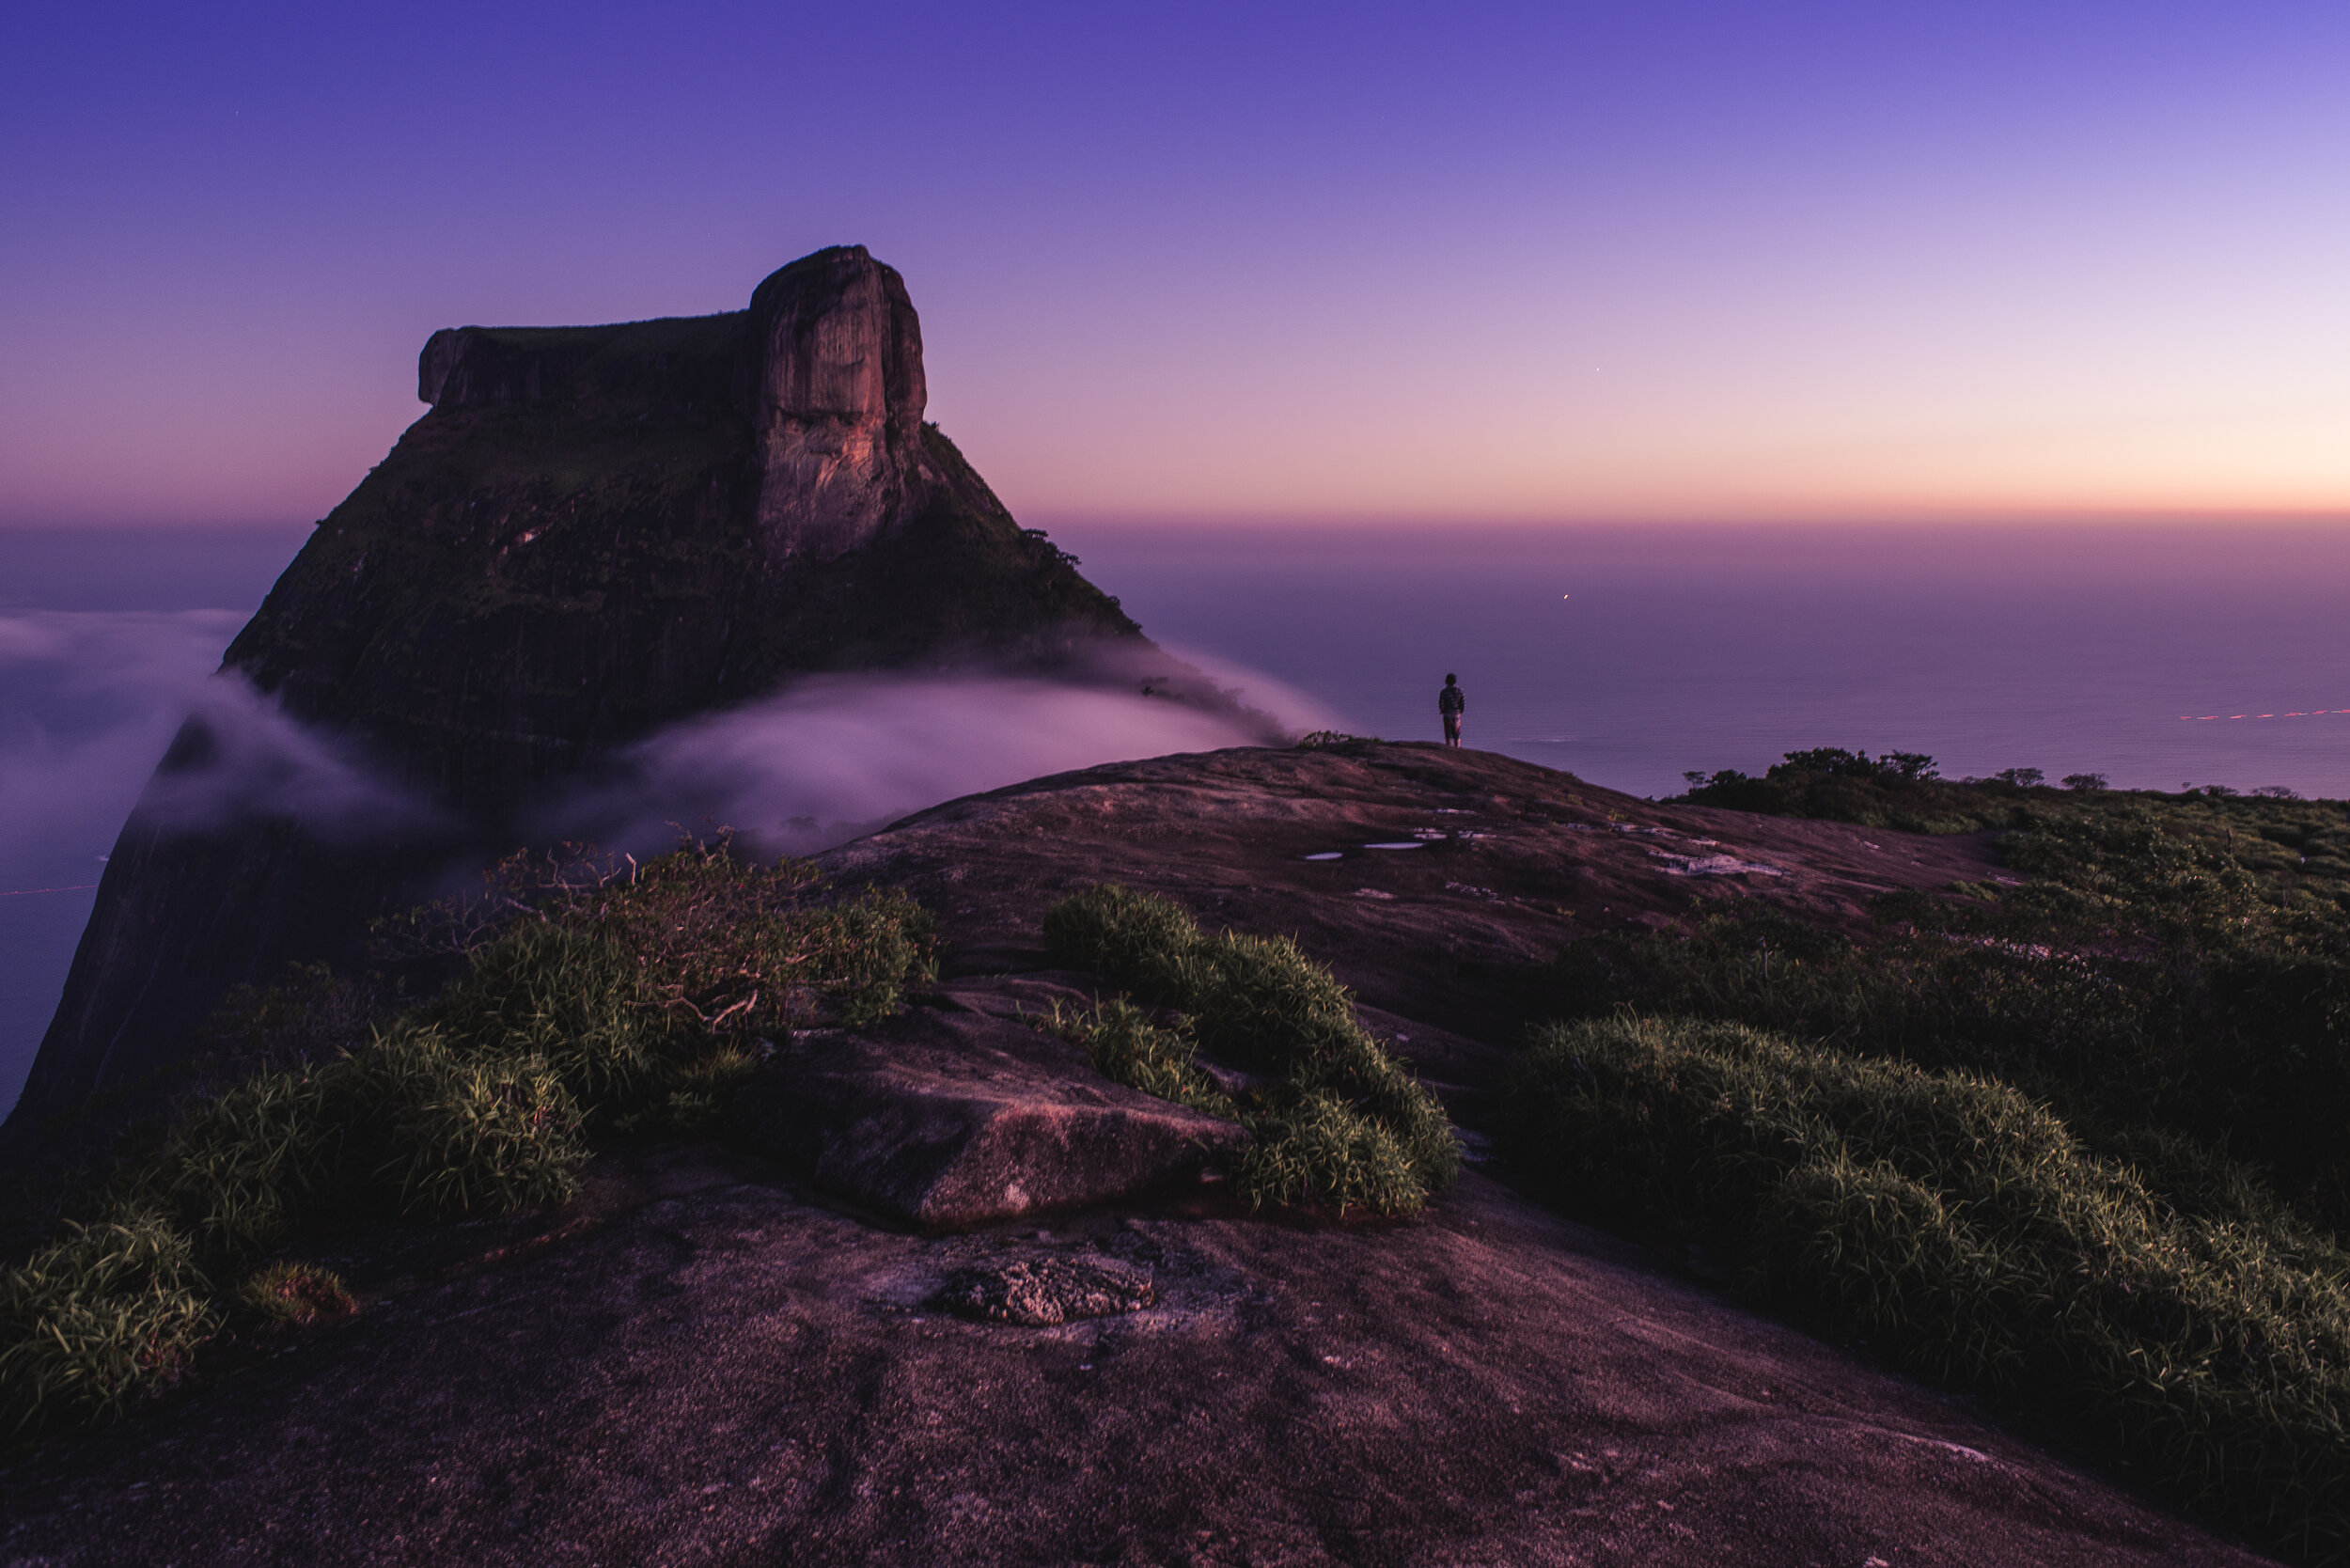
1345 1117
296 1294
2152 985
460 1130
1314 1148
1155 1058
93 1320
574 998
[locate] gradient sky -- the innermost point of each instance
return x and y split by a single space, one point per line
1640 259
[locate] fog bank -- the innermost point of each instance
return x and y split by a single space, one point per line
833 756
89 700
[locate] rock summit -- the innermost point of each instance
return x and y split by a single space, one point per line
593 531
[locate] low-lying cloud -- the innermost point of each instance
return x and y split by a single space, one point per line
833 756
89 700
240 758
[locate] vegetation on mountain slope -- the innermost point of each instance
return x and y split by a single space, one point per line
2069 1139
1342 1122
595 1000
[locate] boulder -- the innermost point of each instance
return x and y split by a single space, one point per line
948 1117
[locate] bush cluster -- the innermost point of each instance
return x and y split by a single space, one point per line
1959 1226
2070 1139
1900 789
2303 844
1342 1125
114 1306
606 1003
2152 986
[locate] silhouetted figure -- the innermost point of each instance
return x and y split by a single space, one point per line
1452 703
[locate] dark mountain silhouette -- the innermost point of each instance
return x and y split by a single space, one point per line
593 531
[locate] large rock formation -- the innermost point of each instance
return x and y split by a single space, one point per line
840 407
594 530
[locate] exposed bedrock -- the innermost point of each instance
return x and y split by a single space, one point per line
837 398
593 531
956 1114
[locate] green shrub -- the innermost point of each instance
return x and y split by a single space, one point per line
864 954
574 998
451 1131
1313 1147
1129 1049
1260 1002
1137 939
89 1320
1347 1105
1959 1226
719 943
415 1127
240 1173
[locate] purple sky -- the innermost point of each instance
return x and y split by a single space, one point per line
1545 262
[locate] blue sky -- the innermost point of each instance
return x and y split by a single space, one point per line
1477 262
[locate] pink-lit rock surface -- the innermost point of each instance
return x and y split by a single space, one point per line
730 1369
947 1116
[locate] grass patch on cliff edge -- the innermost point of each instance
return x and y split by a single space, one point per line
596 999
1342 1125
1958 1226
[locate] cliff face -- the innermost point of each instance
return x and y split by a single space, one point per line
837 407
593 531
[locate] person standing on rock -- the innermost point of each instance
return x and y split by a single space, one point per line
1452 703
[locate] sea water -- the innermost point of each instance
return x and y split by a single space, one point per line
2159 657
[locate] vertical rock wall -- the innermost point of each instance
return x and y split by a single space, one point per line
838 378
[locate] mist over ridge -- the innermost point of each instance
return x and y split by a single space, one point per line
596 533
